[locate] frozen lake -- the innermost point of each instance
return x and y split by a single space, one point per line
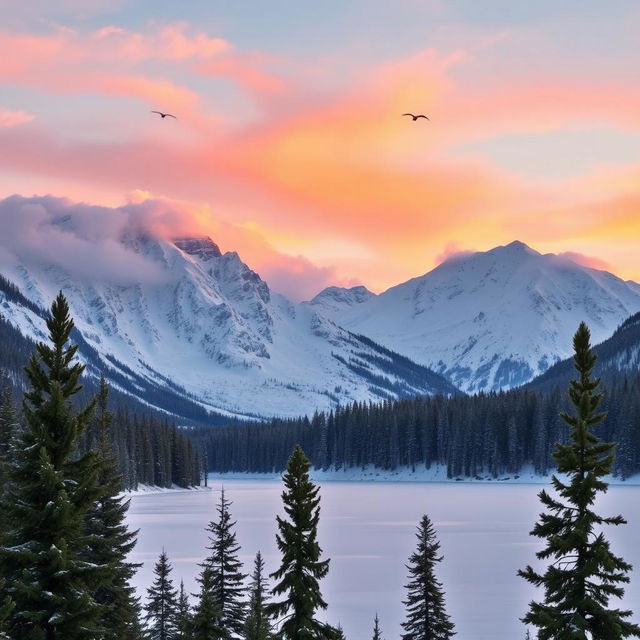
368 531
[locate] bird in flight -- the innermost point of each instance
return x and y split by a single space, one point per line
164 115
415 117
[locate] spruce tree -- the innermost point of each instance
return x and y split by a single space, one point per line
8 430
162 603
6 607
584 573
377 632
226 576
183 616
338 633
426 615
301 569
51 490
109 539
258 624
206 615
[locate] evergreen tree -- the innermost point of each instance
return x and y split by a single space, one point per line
301 569
206 616
51 490
162 604
426 615
258 624
226 576
8 430
584 573
109 540
6 607
183 616
377 632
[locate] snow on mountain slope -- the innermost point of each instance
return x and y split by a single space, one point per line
495 319
617 356
335 299
204 321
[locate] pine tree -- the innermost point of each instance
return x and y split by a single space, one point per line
258 624
226 576
8 430
162 604
6 607
183 616
426 615
206 616
377 632
584 573
301 569
109 539
51 490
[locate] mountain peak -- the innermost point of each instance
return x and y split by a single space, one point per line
201 246
341 297
515 247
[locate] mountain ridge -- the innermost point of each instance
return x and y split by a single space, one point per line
203 323
492 320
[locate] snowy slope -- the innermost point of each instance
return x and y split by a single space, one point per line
495 319
206 323
617 356
333 300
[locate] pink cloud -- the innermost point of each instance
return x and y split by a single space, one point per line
105 46
166 42
452 252
247 70
13 118
86 240
591 262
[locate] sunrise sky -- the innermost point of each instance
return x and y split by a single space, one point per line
290 147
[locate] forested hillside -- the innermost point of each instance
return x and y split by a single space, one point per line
487 435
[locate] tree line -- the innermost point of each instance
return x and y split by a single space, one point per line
147 448
488 435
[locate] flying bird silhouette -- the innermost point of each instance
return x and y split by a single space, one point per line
415 117
164 115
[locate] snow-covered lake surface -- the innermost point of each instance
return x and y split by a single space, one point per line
368 531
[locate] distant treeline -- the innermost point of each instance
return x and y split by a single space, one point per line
148 449
492 434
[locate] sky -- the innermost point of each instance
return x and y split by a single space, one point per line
289 145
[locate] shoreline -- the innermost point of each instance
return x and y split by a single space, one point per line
435 474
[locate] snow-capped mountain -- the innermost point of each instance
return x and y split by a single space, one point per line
203 323
335 299
491 320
